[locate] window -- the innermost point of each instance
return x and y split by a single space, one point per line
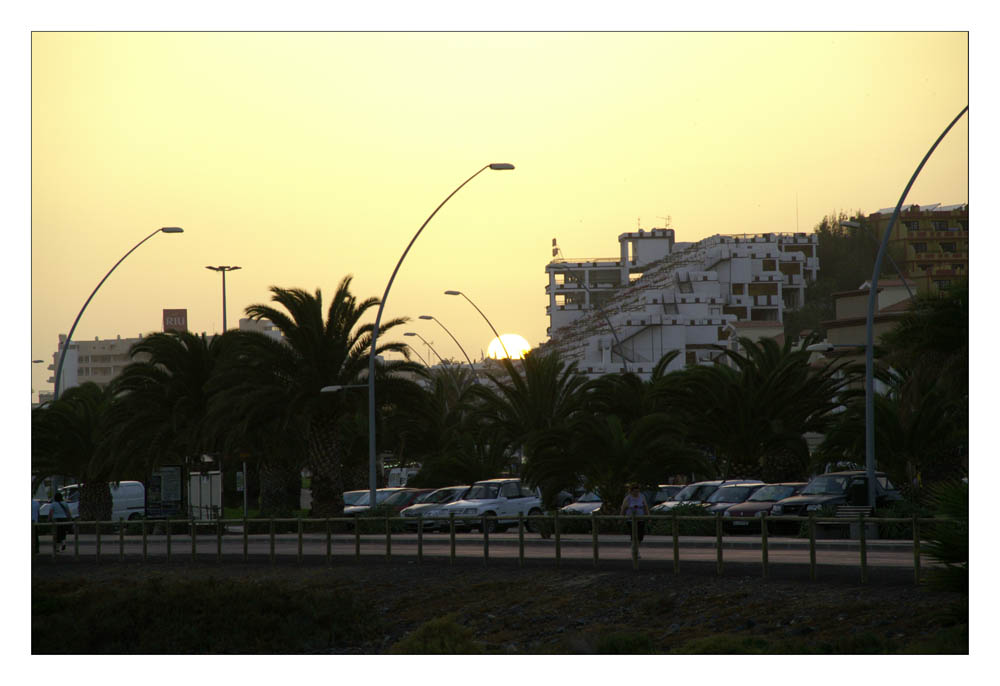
913 226
958 267
511 489
948 247
737 289
942 284
919 247
769 265
940 226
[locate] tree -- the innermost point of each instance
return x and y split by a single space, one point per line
272 383
753 415
68 438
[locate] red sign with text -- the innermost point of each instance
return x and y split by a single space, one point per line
175 320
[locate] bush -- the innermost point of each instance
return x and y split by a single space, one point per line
948 542
439 636
625 643
663 524
900 508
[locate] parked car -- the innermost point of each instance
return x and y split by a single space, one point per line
128 501
728 495
433 500
837 488
585 504
758 504
665 493
697 493
352 497
361 504
403 498
502 498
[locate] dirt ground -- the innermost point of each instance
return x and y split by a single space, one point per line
577 609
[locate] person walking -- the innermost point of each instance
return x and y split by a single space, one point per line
59 515
635 504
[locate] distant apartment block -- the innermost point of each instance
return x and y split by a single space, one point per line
930 243
624 313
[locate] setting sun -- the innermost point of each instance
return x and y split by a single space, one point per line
515 345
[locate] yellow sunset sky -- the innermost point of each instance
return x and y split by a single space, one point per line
303 157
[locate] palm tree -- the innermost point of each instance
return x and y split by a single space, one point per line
68 437
753 415
279 384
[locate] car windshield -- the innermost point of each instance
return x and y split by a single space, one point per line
354 497
666 493
826 485
730 494
772 493
442 495
398 498
362 499
70 495
483 492
589 497
686 492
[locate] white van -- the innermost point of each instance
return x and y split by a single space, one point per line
128 501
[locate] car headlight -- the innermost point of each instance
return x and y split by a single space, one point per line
813 507
777 509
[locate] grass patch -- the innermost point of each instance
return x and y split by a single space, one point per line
439 636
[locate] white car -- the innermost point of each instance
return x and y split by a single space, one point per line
433 501
128 501
504 499
585 504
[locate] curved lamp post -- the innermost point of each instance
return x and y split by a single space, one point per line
69 337
410 333
431 317
484 317
869 324
223 269
496 166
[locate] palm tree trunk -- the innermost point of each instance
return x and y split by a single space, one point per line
280 484
326 468
95 501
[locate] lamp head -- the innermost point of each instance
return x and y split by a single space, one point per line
453 292
172 229
409 333
425 316
501 166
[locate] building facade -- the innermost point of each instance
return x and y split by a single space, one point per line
930 243
625 313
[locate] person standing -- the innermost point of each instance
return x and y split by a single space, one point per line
59 515
635 504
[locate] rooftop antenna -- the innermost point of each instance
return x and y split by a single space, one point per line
667 220
796 212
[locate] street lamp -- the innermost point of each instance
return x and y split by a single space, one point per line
410 333
430 317
223 269
69 337
484 317
496 166
334 389
870 321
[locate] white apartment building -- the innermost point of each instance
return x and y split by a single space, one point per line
623 314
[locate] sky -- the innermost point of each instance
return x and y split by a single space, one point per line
305 157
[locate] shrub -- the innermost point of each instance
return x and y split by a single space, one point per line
948 542
439 636
625 643
663 524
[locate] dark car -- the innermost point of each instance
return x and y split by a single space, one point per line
697 493
730 494
432 500
757 504
403 498
827 491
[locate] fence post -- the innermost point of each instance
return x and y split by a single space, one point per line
329 543
121 540
916 550
677 544
97 541
246 538
144 551
420 538
520 539
271 531
593 533
451 523
218 540
864 548
357 537
812 546
718 544
558 542
34 538
763 542
76 540
299 554
388 538
635 543
168 539
486 542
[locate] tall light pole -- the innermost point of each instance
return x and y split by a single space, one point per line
870 320
410 333
223 269
497 166
69 337
430 317
484 317
414 351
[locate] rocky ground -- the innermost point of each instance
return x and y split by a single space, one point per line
577 609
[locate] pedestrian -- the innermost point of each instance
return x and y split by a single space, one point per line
635 504
59 515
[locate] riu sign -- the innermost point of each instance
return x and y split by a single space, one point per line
175 320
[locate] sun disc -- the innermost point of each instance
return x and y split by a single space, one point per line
516 345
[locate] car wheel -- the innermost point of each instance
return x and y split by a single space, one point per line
534 526
491 524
